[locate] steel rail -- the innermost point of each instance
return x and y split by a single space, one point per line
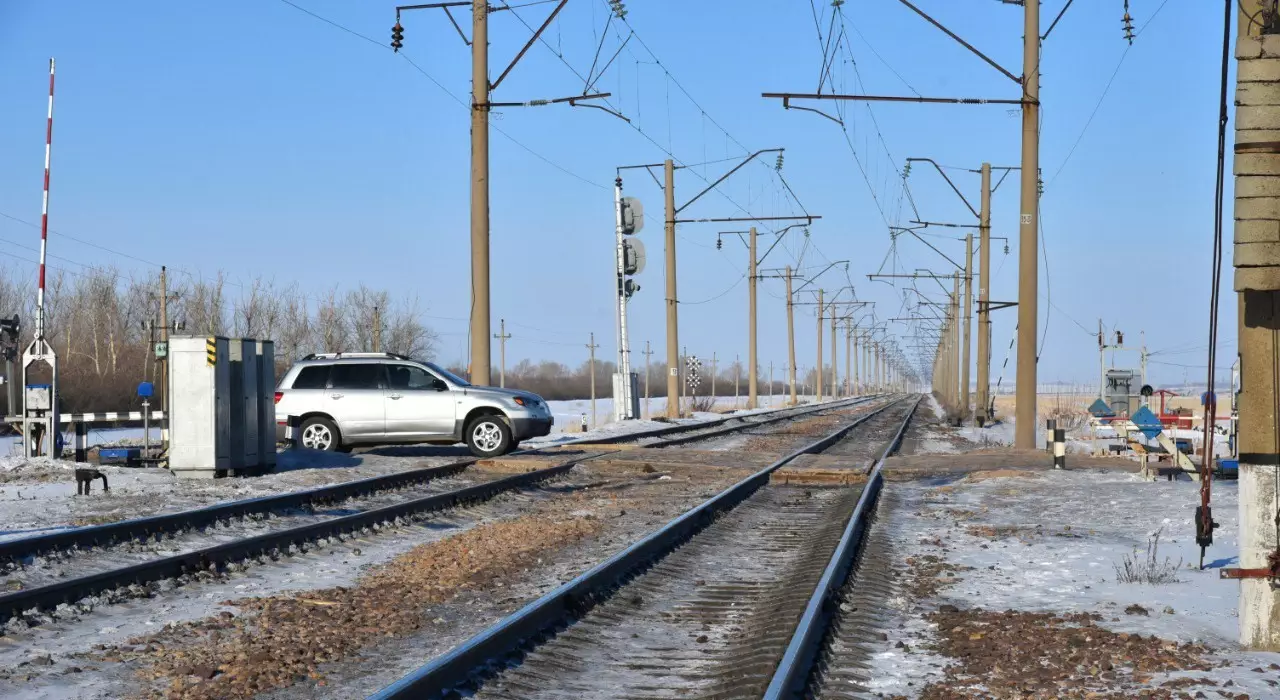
144 528
52 595
845 403
545 615
791 677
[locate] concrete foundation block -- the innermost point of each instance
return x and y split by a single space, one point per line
1257 230
1259 604
1257 278
1259 70
1251 186
1258 208
1258 94
1256 164
1257 254
1267 117
1247 136
194 473
1248 47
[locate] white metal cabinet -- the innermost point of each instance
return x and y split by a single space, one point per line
199 406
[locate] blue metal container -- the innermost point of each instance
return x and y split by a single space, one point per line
119 455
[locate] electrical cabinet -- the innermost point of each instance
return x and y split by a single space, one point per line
219 410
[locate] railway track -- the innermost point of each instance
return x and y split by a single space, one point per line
16 552
705 607
383 506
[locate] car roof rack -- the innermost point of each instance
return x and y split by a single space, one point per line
354 355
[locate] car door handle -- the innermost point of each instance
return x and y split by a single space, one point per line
395 396
335 396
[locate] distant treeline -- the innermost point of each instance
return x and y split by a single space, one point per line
555 381
99 322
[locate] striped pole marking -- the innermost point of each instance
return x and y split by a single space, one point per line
108 416
1059 448
44 209
211 350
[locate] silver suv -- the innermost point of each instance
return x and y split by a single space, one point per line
348 399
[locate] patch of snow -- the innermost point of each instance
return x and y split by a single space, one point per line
1076 527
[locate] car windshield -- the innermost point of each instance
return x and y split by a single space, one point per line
448 375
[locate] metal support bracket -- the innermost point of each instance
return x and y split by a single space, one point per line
1271 571
996 305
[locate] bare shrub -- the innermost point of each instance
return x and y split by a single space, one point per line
702 404
101 324
1137 568
1068 412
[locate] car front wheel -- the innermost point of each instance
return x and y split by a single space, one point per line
489 436
319 434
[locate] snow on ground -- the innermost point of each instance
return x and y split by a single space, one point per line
1063 534
40 495
569 414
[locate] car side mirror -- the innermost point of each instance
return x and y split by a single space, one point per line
441 386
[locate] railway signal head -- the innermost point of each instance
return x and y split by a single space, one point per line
633 257
397 37
10 328
632 215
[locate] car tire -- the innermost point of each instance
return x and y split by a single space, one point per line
321 434
489 436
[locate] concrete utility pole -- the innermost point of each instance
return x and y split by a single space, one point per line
481 91
480 328
791 339
164 367
818 368
955 342
982 414
591 346
1143 355
879 368
968 322
866 365
713 375
673 337
1029 226
835 374
1257 283
848 359
857 388
647 355
503 336
752 388
1102 362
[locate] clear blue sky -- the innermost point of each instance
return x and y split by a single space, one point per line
250 137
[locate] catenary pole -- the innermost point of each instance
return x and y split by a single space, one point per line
673 339
1028 230
480 329
752 388
982 415
791 339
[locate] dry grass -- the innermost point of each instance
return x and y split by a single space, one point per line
1137 568
702 404
1018 655
279 640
